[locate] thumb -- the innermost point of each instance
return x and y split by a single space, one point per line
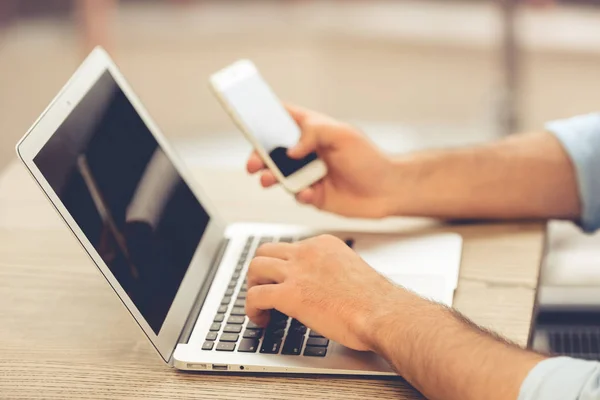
317 130
306 145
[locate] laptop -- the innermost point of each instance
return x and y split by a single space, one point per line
568 300
177 267
568 321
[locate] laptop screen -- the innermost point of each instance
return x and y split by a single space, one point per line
126 196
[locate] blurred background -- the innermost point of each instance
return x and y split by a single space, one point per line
412 74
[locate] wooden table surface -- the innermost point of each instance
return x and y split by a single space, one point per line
64 334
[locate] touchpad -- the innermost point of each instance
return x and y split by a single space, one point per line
428 265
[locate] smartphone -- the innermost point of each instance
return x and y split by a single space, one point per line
265 122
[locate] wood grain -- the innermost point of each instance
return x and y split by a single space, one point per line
64 334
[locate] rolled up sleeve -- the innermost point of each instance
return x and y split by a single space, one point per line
562 378
580 136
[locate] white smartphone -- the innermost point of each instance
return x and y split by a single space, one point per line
265 122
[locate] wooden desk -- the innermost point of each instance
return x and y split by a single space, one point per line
64 334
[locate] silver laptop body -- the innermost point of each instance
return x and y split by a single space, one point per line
178 268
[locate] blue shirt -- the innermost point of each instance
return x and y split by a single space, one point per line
564 378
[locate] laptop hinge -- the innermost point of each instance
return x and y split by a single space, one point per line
195 312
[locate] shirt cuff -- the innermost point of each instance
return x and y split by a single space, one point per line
580 136
562 378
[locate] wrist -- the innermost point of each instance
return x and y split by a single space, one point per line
400 187
389 322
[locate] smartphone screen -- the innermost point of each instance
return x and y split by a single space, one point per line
267 120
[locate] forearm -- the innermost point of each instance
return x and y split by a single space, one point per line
445 357
524 176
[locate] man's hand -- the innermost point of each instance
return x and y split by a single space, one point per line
513 178
360 179
325 285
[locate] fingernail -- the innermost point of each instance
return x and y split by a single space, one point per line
292 150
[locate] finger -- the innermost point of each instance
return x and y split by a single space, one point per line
306 145
318 195
254 163
267 179
260 300
314 195
306 196
264 270
299 114
318 132
280 250
307 142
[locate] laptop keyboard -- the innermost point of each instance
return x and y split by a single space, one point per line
578 342
231 329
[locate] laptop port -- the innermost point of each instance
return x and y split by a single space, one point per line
219 367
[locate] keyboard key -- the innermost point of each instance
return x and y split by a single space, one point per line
215 327
317 342
278 316
595 343
232 328
252 325
211 336
276 333
240 303
208 345
238 311
286 239
585 343
566 343
222 309
226 300
242 294
253 333
226 346
236 275
229 337
248 346
236 319
315 334
298 330
270 347
275 324
266 239
239 267
229 292
557 340
219 318
576 343
293 345
313 351
232 283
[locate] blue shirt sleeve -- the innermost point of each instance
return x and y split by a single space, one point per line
562 378
580 136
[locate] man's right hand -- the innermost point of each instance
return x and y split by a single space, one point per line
359 182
